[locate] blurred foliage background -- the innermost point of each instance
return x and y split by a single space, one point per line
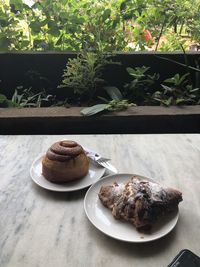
104 25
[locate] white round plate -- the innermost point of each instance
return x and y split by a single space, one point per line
94 174
102 218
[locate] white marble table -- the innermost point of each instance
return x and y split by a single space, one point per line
39 228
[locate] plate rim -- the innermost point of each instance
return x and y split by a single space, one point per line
176 216
54 189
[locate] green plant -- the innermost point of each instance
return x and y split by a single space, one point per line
5 102
108 25
140 88
27 98
102 28
117 103
172 42
178 91
82 76
113 105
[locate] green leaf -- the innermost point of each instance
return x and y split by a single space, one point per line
177 79
94 109
182 79
113 92
118 105
103 99
25 43
180 101
194 90
11 104
54 31
4 22
60 39
3 98
35 26
169 80
4 102
106 14
116 22
137 72
168 102
17 3
4 43
53 28
167 88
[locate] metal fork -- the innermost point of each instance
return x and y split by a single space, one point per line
100 160
95 156
104 162
107 165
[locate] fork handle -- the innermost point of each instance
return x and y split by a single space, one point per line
91 154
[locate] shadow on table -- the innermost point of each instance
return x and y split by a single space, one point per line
144 249
60 196
125 249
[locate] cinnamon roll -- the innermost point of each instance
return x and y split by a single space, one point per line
65 161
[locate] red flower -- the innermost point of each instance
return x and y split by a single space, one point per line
147 35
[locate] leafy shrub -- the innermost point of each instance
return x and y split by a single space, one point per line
5 102
178 91
83 75
141 87
107 25
113 105
83 78
24 97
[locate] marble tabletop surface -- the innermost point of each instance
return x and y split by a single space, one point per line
40 228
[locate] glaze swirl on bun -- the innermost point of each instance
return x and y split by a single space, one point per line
64 150
65 161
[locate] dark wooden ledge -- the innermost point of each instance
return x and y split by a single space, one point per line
59 120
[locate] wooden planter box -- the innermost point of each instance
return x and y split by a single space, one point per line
141 119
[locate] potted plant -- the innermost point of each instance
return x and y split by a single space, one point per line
132 92
154 94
